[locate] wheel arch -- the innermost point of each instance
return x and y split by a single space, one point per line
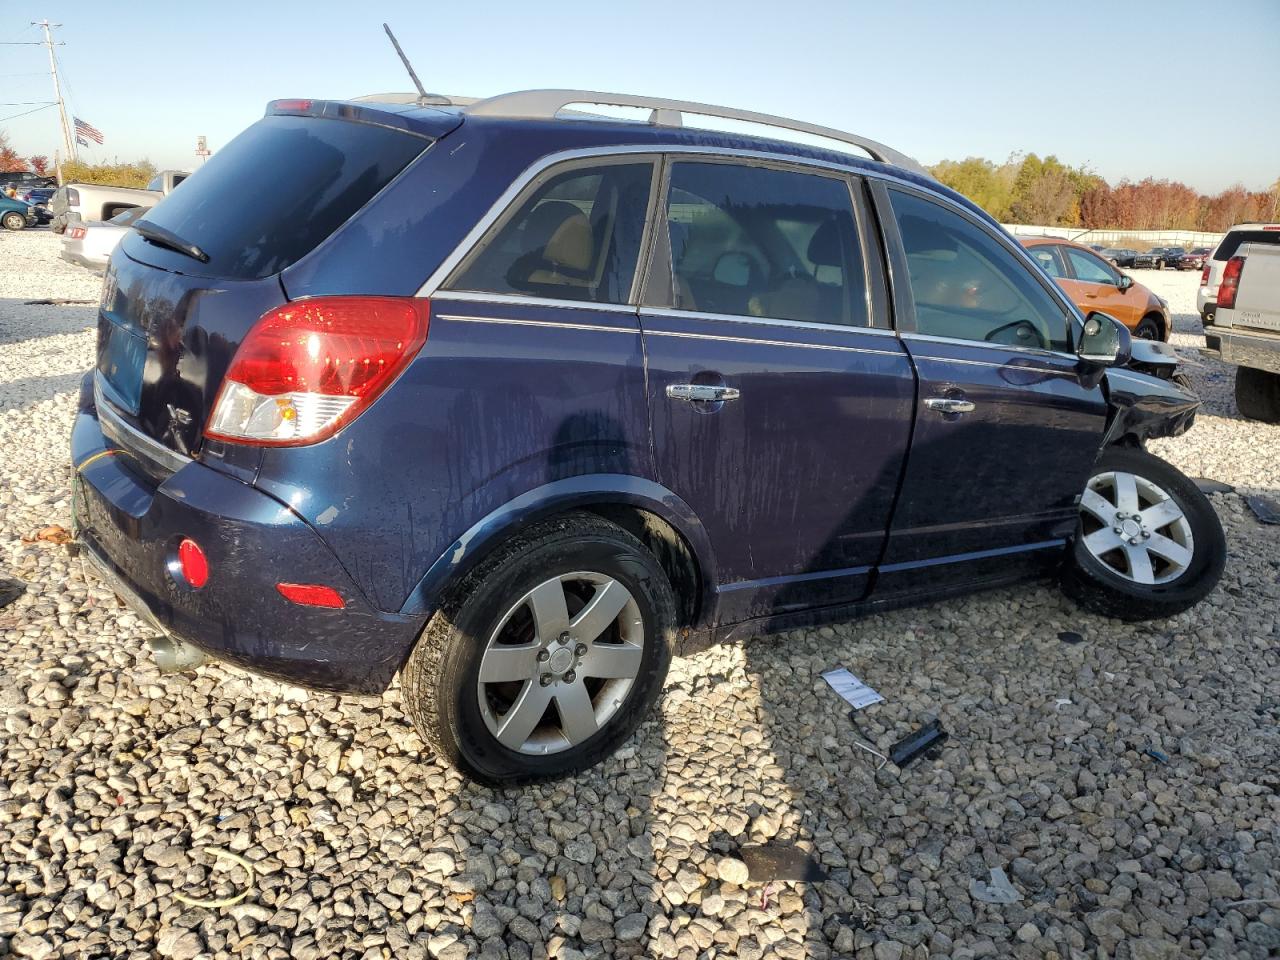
1158 319
649 511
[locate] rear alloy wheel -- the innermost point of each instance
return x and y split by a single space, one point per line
547 657
1258 394
14 221
1147 329
1148 543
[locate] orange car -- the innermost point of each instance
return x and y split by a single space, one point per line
1094 284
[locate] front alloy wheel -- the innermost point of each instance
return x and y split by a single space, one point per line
1148 543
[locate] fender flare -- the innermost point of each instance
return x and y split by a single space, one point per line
587 490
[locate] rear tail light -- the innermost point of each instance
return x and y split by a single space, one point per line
309 368
311 595
1230 283
76 233
288 106
1204 276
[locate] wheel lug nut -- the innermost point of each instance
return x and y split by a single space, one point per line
543 656
564 637
1146 534
570 677
545 679
1118 529
1133 541
580 649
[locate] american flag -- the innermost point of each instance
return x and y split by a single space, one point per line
87 130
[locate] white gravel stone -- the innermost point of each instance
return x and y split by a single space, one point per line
364 845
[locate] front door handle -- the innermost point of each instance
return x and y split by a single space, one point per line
701 392
949 405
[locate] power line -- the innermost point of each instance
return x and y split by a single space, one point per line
27 103
14 116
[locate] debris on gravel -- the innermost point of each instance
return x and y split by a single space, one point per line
117 782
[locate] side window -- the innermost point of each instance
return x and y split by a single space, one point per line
967 286
1049 259
1090 269
575 237
760 242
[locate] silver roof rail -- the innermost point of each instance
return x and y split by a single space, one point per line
547 104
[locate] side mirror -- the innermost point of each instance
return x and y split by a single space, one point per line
1126 282
1104 341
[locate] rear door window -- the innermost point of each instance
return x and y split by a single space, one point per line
575 235
271 195
762 242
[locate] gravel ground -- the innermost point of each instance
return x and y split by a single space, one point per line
116 783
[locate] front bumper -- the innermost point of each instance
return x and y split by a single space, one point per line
129 519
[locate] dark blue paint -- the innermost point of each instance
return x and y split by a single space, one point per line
824 491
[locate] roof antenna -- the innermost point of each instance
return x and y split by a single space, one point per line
424 98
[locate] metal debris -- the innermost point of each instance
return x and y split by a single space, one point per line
1264 508
220 854
1070 636
996 890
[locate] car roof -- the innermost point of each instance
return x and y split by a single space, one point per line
543 111
1041 241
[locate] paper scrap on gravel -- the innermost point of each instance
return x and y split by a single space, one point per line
854 691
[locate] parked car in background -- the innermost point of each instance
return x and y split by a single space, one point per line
1245 329
540 406
38 198
1093 283
1193 259
25 179
1211 272
1163 256
89 244
1145 260
1120 256
1097 247
17 214
83 201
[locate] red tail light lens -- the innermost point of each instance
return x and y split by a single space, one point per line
307 369
289 106
1204 275
1230 283
76 233
311 595
194 564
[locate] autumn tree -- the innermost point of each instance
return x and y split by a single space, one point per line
9 159
40 164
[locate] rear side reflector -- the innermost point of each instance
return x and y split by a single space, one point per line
311 595
1230 283
193 563
76 233
308 368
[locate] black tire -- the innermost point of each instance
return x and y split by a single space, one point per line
1148 328
13 221
440 680
1258 394
1098 588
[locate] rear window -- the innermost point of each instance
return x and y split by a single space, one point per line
273 193
1232 241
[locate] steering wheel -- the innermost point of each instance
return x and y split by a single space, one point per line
1020 333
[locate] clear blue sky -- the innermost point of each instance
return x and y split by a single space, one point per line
1168 88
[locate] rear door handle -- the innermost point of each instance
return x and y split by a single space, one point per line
701 392
949 405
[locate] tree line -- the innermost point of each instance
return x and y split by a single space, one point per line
1027 189
136 174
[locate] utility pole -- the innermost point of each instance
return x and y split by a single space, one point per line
68 140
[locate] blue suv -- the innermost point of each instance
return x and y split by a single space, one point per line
512 399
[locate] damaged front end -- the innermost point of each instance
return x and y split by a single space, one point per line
1149 397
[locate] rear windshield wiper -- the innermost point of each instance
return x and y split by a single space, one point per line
167 238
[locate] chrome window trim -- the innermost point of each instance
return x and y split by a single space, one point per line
985 345
537 167
798 344
130 439
516 322
767 321
516 299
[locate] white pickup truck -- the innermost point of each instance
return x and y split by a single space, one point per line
1245 328
91 201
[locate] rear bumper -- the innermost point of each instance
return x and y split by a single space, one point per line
80 260
1244 350
1206 298
129 525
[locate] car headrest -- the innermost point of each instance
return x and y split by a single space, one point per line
570 245
824 245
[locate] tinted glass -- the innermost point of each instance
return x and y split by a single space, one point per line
126 217
1089 269
1232 241
757 242
576 237
1048 259
967 286
273 193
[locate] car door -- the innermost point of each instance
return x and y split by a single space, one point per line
1094 284
781 402
1006 429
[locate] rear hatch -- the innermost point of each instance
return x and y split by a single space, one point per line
170 321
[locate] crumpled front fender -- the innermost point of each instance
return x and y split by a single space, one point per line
1144 406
